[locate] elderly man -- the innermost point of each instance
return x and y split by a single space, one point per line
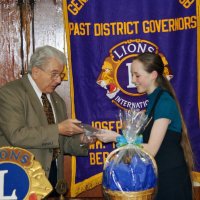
33 116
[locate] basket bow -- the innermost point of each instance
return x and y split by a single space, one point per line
122 141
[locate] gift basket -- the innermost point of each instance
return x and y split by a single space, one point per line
130 173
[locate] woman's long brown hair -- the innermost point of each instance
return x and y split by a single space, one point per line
153 62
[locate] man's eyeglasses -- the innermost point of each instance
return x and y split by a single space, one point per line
54 75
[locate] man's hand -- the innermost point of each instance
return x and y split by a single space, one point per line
87 140
70 127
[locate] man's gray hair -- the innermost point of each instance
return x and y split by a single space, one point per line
43 54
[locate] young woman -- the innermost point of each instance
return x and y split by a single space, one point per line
165 136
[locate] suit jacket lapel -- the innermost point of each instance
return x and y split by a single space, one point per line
35 102
56 107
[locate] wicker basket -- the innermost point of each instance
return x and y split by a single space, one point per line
136 195
140 195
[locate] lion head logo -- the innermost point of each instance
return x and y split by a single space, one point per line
106 77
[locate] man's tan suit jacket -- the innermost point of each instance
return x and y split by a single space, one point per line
23 124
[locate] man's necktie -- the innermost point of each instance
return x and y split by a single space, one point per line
47 109
50 118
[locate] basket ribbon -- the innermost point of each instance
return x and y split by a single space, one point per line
121 141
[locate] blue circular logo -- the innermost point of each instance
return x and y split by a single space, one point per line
15 181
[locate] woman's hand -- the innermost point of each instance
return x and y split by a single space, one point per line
106 136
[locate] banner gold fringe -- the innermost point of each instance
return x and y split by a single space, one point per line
198 53
87 184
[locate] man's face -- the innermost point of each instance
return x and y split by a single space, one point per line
48 78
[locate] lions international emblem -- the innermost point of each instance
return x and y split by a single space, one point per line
116 78
21 177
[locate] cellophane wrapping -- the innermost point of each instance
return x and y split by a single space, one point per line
129 167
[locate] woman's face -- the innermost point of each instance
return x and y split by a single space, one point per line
144 81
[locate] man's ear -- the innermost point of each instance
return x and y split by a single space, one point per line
35 72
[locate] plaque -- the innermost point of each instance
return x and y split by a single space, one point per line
21 176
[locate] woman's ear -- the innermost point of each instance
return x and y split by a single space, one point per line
154 75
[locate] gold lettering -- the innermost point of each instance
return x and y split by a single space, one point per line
116 28
187 22
171 24
120 28
92 158
186 3
97 29
105 155
164 24
113 145
193 22
168 25
76 5
96 124
83 1
106 30
113 27
79 28
98 158
72 9
145 24
118 126
97 145
104 125
109 125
